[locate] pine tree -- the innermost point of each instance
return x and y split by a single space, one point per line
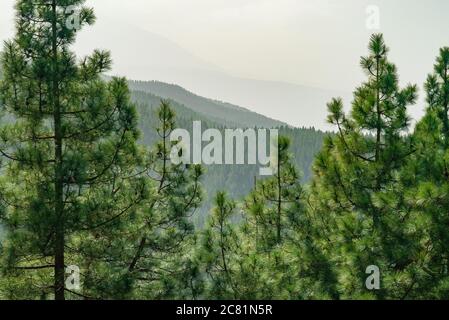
276 200
69 153
278 240
356 200
165 236
219 246
426 180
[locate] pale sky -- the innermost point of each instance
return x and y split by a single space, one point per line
315 43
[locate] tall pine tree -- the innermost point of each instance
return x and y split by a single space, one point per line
69 153
278 239
164 237
356 199
426 178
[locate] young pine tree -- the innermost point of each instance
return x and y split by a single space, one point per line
219 246
278 240
356 200
69 152
161 259
275 200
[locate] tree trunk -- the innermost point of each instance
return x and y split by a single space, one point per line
279 203
378 133
58 181
445 107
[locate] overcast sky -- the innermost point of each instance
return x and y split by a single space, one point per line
307 42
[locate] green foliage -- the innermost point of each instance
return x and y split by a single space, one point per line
270 254
165 234
219 249
356 197
275 202
426 180
239 180
70 155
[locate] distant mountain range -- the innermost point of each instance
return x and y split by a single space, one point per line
142 55
216 111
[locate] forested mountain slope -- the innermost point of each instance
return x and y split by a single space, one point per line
237 179
221 112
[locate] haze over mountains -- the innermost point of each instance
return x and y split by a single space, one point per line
155 58
189 107
315 45
217 111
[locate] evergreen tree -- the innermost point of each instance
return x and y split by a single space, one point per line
356 199
165 235
219 246
426 180
278 239
69 152
276 200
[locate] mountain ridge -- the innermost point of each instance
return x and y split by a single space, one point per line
143 55
215 109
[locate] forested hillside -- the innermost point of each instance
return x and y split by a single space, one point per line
225 113
237 179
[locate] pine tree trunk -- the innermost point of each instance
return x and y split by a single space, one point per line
378 133
223 256
143 241
278 222
445 107
58 182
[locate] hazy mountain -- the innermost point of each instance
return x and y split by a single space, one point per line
142 55
217 111
136 52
